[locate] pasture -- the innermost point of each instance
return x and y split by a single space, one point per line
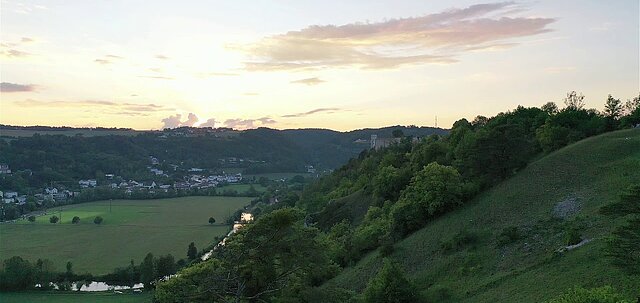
130 230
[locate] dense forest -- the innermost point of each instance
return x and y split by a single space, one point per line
382 196
40 159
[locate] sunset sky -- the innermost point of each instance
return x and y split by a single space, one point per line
296 64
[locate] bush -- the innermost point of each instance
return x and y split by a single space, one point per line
54 219
604 294
98 220
390 285
509 235
458 241
75 220
572 236
32 218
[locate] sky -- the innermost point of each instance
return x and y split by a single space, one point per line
339 65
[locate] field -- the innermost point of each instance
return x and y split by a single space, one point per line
588 174
74 297
241 188
278 176
130 230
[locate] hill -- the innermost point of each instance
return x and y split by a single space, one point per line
41 155
463 256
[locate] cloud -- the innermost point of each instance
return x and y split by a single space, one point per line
329 110
14 53
161 57
209 123
157 77
7 87
107 59
433 38
309 81
172 121
242 124
26 40
217 74
102 106
559 69
237 123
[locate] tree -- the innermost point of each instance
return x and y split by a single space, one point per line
574 101
192 251
32 218
98 220
390 285
613 108
550 107
397 133
212 220
275 254
54 219
69 273
148 271
75 220
165 266
17 274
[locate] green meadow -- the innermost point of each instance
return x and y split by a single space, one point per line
131 229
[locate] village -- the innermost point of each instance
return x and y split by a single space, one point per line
194 179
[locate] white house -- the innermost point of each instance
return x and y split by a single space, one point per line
10 194
88 183
50 191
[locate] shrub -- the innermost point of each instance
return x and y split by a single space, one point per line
54 219
75 220
572 236
509 235
32 218
390 285
458 241
98 220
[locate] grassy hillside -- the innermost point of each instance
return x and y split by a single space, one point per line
130 230
561 190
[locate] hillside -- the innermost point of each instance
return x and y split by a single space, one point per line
562 189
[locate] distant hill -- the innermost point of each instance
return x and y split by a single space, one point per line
562 189
68 154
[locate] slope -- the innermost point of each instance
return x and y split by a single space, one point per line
560 191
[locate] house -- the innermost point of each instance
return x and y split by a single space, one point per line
21 200
149 185
60 197
156 171
154 160
8 200
310 169
109 176
4 169
10 194
195 170
50 191
113 185
88 183
181 185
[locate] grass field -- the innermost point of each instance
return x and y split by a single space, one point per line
241 188
74 297
277 176
130 230
592 172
